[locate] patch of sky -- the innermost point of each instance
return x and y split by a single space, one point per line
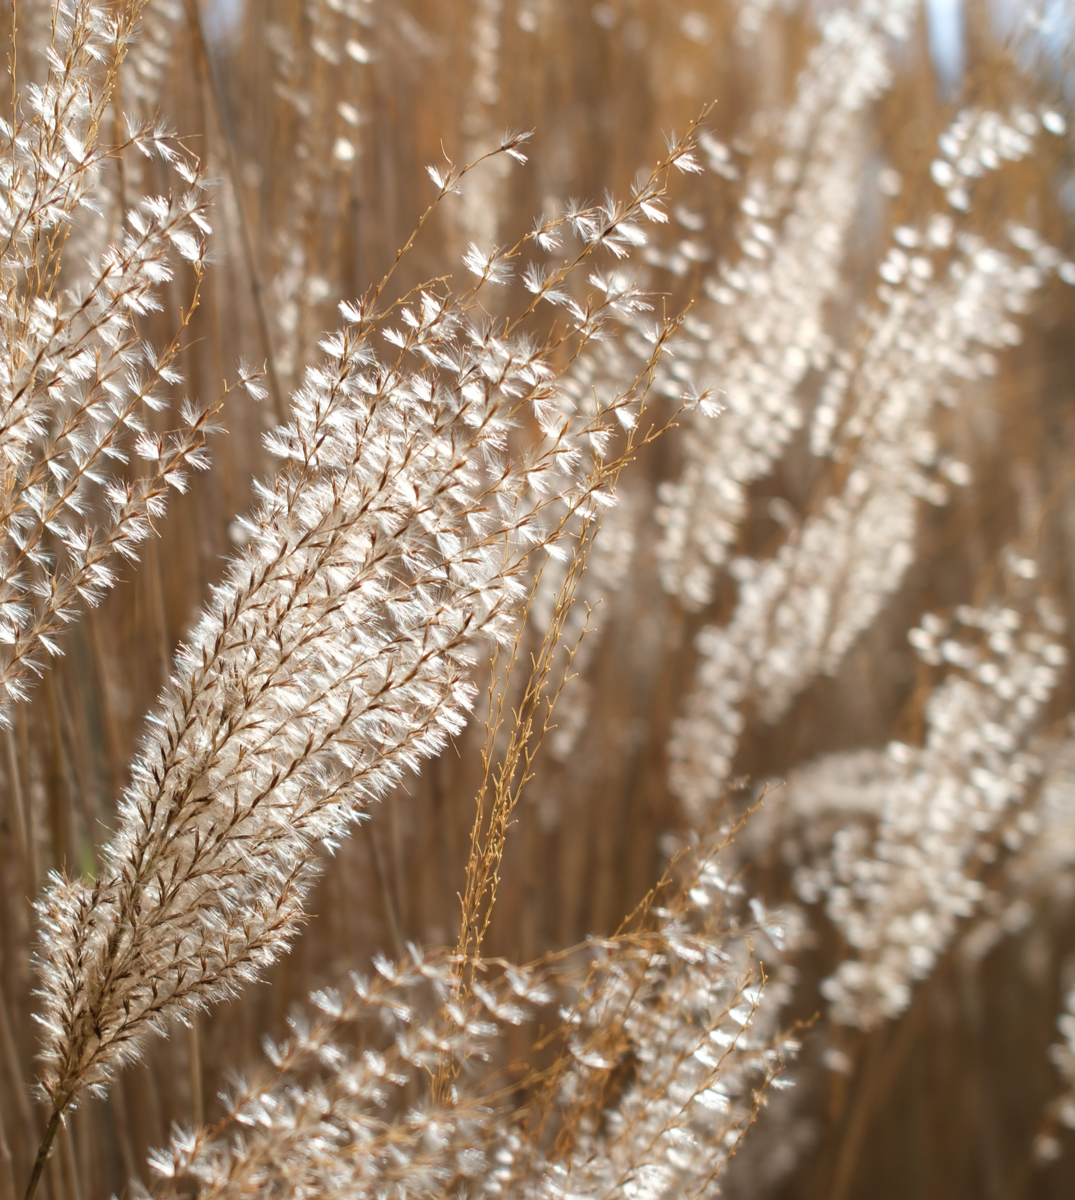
223 20
944 22
1043 32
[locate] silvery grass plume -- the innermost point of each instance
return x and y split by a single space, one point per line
623 363
939 851
336 653
1046 862
946 300
77 381
1036 850
1034 873
648 1053
342 42
608 574
765 329
1062 1111
150 56
897 890
482 206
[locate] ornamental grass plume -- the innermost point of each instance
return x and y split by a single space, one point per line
764 329
946 300
898 892
647 1056
78 382
336 653
928 857
683 552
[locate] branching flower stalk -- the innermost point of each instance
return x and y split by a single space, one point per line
947 300
761 329
337 652
77 380
675 992
328 57
507 773
765 328
532 717
898 892
530 720
150 56
443 495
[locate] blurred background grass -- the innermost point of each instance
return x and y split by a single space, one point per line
318 122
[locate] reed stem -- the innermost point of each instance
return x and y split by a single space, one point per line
44 1151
